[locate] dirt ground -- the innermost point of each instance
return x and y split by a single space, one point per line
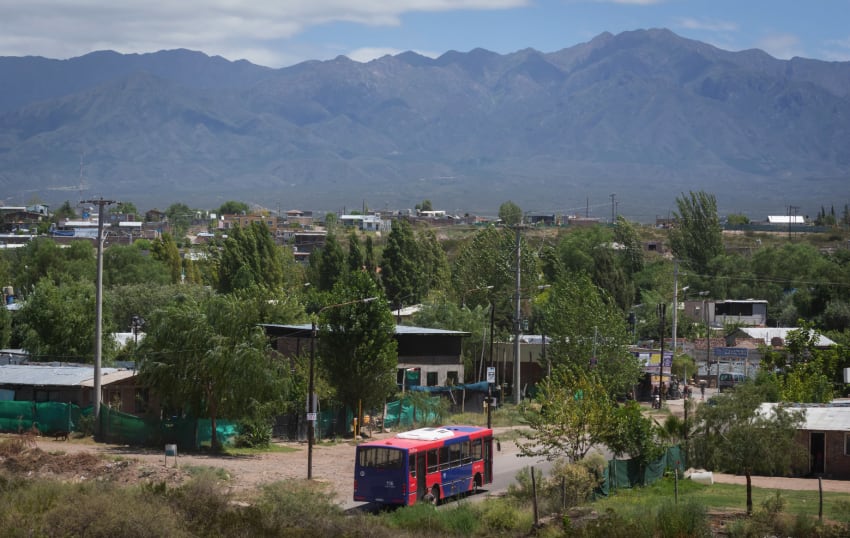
333 464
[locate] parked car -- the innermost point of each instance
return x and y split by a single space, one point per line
728 380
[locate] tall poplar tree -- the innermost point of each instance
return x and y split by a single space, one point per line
696 237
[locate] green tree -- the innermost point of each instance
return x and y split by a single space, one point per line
401 273
355 253
696 237
443 314
232 207
251 258
164 249
572 413
126 264
737 219
488 258
43 258
332 264
510 214
734 436
124 208
65 211
179 217
141 299
589 333
357 347
57 323
630 433
210 359
424 206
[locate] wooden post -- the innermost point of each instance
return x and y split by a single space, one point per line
820 499
534 498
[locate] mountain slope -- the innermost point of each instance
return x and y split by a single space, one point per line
645 114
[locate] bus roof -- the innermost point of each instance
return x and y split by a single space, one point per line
426 436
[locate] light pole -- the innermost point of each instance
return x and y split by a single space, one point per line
311 400
662 311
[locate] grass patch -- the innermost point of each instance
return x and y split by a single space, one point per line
725 497
245 451
196 471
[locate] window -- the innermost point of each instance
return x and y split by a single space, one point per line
433 464
380 458
451 378
847 444
454 454
141 399
432 379
465 455
411 464
476 450
444 458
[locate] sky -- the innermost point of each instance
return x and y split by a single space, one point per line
279 33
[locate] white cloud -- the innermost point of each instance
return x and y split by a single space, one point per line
782 46
230 28
837 50
707 24
633 2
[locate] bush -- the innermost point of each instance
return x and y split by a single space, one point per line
685 519
254 433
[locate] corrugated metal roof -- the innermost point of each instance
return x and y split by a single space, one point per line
399 329
819 417
54 376
768 333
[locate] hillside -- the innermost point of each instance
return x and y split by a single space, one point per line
644 114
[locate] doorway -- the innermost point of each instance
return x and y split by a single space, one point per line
816 452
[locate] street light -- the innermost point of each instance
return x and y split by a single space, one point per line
311 401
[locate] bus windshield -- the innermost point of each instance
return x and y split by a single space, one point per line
380 458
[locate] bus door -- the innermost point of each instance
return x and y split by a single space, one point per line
421 486
488 460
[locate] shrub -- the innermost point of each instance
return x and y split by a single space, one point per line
685 519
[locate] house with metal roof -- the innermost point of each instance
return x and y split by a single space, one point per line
430 357
72 384
825 436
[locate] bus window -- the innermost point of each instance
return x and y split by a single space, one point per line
464 454
454 454
476 450
432 461
380 458
412 465
444 458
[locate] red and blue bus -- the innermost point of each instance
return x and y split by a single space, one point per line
427 464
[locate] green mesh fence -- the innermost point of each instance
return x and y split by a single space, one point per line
48 417
410 412
631 473
115 426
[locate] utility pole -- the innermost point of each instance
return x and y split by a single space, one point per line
98 330
517 322
675 301
613 208
662 311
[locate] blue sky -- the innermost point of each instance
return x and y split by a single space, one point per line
278 33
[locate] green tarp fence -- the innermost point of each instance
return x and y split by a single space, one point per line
186 433
631 473
48 417
405 413
116 427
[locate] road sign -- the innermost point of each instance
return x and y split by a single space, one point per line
311 417
491 374
735 352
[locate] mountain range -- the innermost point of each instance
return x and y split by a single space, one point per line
644 115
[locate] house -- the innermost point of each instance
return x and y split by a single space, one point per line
72 384
542 219
825 436
533 363
785 220
750 312
303 219
435 354
775 336
365 223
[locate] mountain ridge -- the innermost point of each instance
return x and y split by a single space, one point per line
646 114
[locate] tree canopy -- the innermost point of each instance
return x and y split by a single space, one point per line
510 214
357 346
696 236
